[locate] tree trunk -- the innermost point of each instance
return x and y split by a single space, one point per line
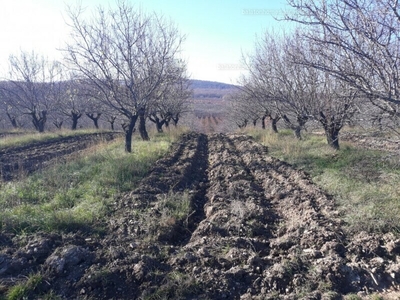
156 120
111 120
129 129
39 121
274 123
242 124
297 132
175 120
142 125
75 118
13 121
301 122
94 118
296 128
332 137
58 124
332 130
263 121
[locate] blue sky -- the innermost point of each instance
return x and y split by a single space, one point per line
217 32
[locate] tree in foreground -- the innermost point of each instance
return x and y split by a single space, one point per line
358 42
125 55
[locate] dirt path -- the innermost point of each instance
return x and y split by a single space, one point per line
252 228
22 160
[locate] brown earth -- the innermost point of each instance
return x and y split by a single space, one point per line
22 160
372 141
256 228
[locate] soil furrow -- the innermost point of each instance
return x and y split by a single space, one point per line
223 254
19 161
143 230
217 218
310 253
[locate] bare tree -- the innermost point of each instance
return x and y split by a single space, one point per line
172 99
281 83
257 100
123 54
238 112
7 111
33 87
95 118
358 42
73 103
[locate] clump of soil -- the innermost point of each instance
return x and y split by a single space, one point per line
215 219
373 142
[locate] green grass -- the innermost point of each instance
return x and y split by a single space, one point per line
25 138
23 290
77 195
365 183
175 285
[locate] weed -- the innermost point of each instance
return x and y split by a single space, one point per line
376 297
352 297
23 290
174 207
176 285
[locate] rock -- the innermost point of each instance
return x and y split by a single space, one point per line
39 248
393 247
63 258
139 271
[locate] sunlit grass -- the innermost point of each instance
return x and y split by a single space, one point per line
365 183
76 195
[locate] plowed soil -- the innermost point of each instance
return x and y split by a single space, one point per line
256 228
373 142
22 160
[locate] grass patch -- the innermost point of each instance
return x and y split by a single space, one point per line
25 138
77 195
25 289
365 183
171 219
176 285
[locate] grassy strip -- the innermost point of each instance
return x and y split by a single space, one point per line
365 183
76 195
26 138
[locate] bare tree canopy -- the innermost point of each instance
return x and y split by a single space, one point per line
358 42
33 88
282 86
126 56
172 99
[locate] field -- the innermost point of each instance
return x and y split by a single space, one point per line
218 216
30 155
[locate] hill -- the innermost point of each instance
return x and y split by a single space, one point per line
210 89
